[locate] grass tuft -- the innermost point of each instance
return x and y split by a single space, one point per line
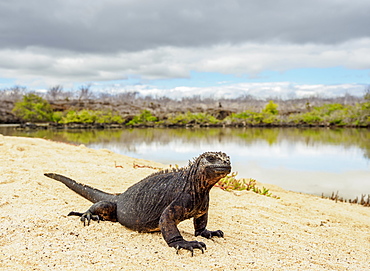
230 183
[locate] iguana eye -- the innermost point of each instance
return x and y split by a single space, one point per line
211 159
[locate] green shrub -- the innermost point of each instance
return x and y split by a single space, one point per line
180 119
270 119
308 118
328 114
271 108
33 108
57 117
328 109
108 117
83 116
366 106
144 117
191 118
254 118
269 115
247 116
204 118
90 116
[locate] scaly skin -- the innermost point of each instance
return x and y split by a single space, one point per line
160 201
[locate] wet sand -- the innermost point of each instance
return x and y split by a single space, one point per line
295 232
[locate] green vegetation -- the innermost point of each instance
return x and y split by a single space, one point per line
268 116
230 183
88 116
326 115
335 115
190 118
33 108
271 108
145 117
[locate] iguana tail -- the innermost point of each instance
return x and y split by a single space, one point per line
92 194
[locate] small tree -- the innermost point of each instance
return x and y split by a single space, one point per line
84 93
271 108
33 108
55 92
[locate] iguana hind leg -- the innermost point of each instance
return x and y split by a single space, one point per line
102 210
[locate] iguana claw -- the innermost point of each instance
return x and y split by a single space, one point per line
209 234
189 245
86 216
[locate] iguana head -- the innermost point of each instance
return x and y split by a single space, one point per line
211 167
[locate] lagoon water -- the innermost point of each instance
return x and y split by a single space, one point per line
311 161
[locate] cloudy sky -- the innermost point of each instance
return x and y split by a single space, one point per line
284 48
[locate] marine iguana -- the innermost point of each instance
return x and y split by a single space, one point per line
160 201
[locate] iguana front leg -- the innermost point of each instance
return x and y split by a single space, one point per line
200 224
102 210
171 216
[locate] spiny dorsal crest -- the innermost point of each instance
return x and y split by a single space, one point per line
196 162
217 156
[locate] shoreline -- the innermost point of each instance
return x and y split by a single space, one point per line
57 126
297 231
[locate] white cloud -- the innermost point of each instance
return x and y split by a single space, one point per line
34 65
284 90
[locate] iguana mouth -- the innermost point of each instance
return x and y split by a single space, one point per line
221 168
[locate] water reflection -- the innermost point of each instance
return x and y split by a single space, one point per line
303 160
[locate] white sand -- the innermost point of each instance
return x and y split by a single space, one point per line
295 232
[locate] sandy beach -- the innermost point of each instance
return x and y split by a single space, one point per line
295 232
